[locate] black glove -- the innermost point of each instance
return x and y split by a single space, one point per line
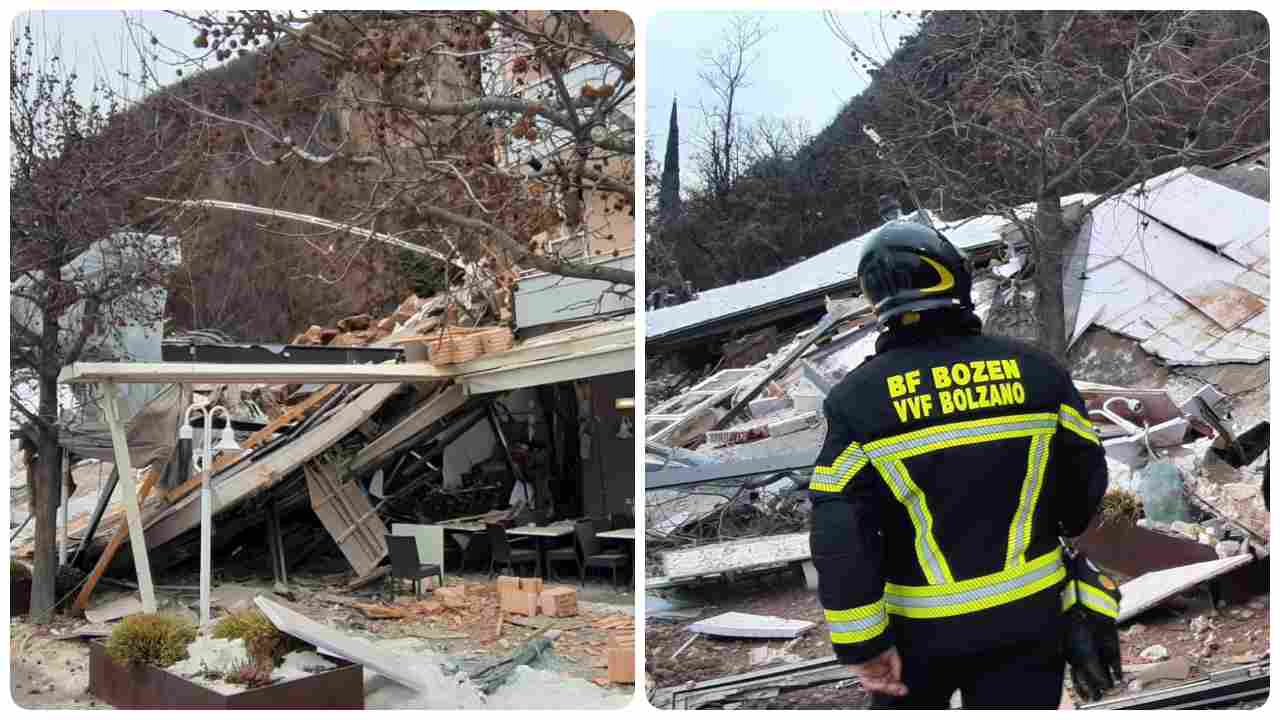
1091 601
1093 651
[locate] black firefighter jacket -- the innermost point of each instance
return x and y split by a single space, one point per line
953 461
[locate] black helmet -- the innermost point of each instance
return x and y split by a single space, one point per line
909 267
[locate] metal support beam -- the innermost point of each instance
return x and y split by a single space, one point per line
137 540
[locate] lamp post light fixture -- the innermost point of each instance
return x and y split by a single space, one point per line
227 444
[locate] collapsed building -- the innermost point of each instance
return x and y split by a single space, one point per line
1167 304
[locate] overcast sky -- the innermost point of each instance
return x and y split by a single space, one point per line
804 70
96 44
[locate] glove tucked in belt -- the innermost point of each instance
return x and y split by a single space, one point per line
1091 601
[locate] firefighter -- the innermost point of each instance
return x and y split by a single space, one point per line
953 464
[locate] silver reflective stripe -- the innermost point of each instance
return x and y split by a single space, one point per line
838 471
943 435
1099 601
981 593
860 625
1026 507
1069 419
915 507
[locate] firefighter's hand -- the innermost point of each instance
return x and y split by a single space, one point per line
1092 660
882 674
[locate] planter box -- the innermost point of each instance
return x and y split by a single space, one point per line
19 596
135 686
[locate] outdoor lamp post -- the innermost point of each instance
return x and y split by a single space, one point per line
228 443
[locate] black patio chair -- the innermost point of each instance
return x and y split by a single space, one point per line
501 552
591 555
405 563
569 553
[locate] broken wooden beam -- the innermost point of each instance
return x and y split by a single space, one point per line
253 441
443 403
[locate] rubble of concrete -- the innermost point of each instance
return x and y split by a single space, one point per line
1175 379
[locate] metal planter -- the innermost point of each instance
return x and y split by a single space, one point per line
19 596
137 686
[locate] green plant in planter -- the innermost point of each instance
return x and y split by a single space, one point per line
155 638
266 644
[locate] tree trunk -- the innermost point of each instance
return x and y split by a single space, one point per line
1051 244
45 491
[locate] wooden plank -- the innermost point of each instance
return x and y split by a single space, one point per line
735 555
587 338
617 358
348 517
241 373
391 665
247 478
450 399
1147 591
253 441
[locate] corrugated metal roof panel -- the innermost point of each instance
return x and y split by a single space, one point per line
1164 254
1204 210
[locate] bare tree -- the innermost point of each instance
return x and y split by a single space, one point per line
492 142
726 74
82 251
1001 109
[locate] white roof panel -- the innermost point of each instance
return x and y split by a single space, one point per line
833 267
1202 209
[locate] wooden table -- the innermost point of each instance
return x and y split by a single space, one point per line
540 535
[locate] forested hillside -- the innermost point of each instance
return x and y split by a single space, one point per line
784 209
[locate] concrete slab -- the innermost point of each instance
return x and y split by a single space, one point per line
114 610
324 638
1145 592
734 624
736 555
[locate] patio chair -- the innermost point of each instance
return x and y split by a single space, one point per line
569 553
592 557
502 554
405 564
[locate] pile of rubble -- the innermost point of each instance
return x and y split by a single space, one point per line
362 330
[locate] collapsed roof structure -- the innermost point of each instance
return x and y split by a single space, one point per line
1167 304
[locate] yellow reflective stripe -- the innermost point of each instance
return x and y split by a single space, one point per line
970 432
975 594
834 477
1069 595
857 624
1020 528
1098 601
932 562
1073 421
